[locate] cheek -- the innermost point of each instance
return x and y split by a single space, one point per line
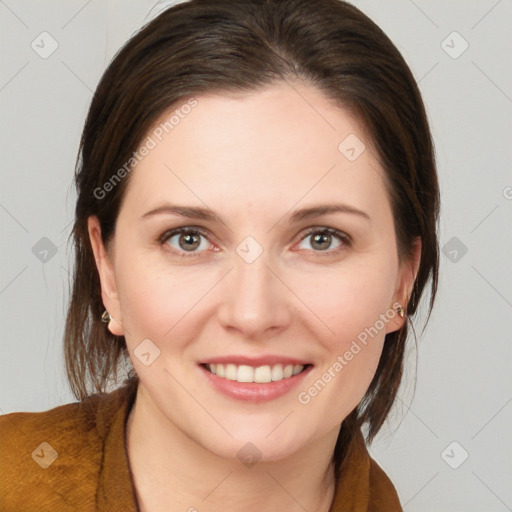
155 302
354 305
350 300
336 305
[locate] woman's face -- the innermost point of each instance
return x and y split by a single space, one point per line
259 287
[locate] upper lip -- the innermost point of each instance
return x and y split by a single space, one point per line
255 361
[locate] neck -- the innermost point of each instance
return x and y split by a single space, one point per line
172 471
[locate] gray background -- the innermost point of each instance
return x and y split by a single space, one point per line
462 400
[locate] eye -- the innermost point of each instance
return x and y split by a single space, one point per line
187 240
322 239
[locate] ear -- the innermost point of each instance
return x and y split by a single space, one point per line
405 283
107 276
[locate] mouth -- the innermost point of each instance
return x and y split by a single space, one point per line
255 379
263 374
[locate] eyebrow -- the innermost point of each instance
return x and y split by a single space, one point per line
195 212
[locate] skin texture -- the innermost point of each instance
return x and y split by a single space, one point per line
254 159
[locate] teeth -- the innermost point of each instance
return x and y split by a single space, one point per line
230 372
263 374
288 371
260 374
245 374
277 372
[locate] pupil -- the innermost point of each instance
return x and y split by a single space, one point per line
189 240
318 238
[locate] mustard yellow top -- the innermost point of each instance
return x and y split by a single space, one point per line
73 458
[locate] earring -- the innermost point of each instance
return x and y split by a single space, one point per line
401 311
105 317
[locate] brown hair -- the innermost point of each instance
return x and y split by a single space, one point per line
219 46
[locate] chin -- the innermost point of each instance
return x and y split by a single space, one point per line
255 444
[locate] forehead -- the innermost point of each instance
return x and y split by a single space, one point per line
269 148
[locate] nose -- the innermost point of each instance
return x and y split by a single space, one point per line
255 302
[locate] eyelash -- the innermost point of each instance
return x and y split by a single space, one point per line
340 235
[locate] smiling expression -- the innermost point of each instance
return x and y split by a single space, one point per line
287 253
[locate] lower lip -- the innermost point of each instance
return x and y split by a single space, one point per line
255 391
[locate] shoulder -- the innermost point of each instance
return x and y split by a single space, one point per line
362 484
383 495
53 458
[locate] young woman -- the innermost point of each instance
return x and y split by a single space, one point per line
256 222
